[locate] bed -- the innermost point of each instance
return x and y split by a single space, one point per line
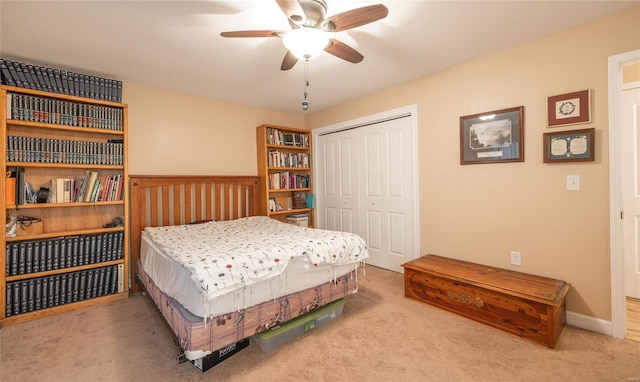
218 272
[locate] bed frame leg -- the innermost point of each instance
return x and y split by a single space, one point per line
181 358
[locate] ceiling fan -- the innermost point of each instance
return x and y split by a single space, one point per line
310 27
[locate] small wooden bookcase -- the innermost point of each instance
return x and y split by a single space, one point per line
285 169
528 306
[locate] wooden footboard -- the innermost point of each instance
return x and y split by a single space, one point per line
174 200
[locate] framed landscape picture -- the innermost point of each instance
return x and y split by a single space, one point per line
492 137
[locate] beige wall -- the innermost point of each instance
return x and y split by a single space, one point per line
473 212
482 212
172 133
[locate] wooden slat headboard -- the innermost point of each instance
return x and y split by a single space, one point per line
173 200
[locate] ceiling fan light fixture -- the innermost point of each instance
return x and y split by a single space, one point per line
306 43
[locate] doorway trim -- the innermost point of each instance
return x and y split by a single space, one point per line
412 112
618 310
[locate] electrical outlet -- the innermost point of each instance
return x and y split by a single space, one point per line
516 258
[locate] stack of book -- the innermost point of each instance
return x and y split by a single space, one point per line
59 81
301 220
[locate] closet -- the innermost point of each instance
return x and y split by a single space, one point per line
367 184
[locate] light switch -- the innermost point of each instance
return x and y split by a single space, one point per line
573 182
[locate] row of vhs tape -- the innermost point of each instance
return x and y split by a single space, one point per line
45 292
34 256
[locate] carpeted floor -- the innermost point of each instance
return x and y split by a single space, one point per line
381 336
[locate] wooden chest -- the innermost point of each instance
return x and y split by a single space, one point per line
528 306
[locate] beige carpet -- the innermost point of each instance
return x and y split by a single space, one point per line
381 336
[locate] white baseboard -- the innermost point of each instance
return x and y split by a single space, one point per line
589 323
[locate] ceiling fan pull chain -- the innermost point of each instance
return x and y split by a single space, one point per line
305 103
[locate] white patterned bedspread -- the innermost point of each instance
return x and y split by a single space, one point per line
228 255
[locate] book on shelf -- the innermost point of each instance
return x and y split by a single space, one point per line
63 289
28 257
69 294
47 292
51 291
119 279
9 300
22 258
56 80
38 297
107 281
24 285
6 75
288 139
16 297
35 81
7 252
64 82
93 176
31 295
14 73
89 285
301 220
68 189
56 290
20 185
48 72
43 79
14 258
37 248
21 76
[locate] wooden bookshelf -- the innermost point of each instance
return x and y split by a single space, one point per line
41 278
286 171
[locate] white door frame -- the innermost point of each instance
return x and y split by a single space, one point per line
412 111
618 320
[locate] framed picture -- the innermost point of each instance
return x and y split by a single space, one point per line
492 137
569 146
569 109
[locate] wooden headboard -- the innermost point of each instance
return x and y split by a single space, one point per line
162 200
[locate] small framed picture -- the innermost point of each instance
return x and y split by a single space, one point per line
569 109
492 137
569 146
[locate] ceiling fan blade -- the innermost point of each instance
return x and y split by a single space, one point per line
355 18
252 34
289 61
293 11
343 51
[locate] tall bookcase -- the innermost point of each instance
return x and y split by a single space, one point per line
76 255
285 171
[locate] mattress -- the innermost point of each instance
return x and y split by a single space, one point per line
187 262
198 337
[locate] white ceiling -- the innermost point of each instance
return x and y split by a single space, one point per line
176 45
